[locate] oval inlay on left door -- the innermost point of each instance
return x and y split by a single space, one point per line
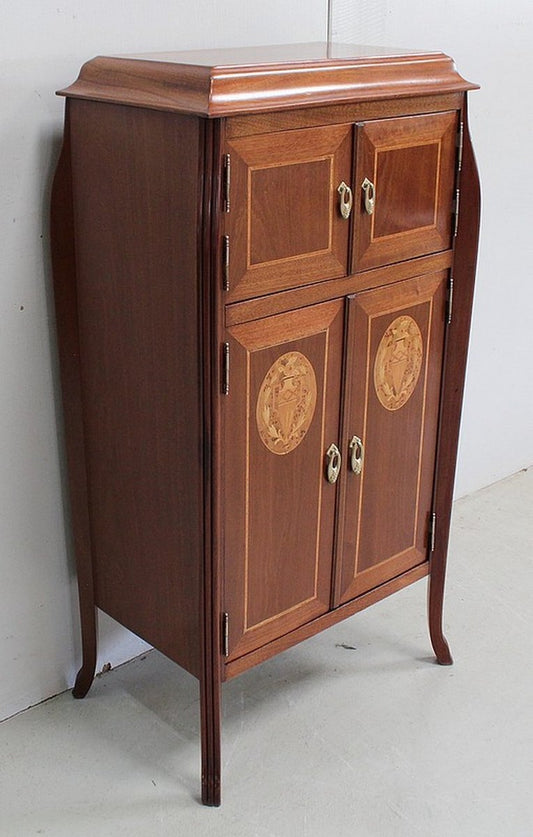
286 403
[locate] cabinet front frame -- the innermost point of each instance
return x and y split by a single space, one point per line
454 355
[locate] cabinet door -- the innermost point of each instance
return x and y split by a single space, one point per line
284 224
280 417
395 349
406 170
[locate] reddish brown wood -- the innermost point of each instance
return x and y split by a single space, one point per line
285 120
384 529
64 270
285 227
137 289
411 163
224 82
208 236
464 271
184 507
253 309
280 507
235 667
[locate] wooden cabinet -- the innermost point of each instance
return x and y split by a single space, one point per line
263 290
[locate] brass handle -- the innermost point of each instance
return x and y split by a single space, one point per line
370 195
345 200
334 461
356 454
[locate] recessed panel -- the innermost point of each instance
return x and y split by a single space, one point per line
407 186
286 490
290 210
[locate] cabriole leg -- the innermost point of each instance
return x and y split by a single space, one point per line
435 608
89 627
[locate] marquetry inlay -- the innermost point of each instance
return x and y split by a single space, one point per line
398 362
286 403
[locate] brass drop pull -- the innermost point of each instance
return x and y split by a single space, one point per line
345 200
370 195
356 455
334 461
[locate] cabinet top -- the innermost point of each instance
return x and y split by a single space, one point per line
225 82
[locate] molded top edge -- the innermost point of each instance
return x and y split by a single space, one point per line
226 82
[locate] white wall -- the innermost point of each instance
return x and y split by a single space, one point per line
491 43
42 46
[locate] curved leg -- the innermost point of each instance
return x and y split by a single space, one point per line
64 275
435 607
458 329
89 627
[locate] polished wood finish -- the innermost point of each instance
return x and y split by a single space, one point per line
210 327
140 367
223 82
285 227
321 623
384 528
66 303
411 162
253 309
286 120
280 518
463 273
201 399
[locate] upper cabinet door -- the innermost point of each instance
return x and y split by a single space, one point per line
404 188
281 420
284 223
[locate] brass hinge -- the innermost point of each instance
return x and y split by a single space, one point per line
449 301
225 369
456 212
460 138
225 262
225 634
432 531
227 182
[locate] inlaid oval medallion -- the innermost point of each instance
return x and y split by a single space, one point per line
286 402
398 362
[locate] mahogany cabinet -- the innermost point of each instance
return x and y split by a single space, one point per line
263 264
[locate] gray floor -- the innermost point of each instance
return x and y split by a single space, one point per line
324 740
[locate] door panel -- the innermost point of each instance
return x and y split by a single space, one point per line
410 165
281 415
395 346
285 228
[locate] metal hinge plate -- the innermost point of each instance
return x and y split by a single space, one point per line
456 212
460 139
227 182
432 531
225 368
449 301
225 262
225 634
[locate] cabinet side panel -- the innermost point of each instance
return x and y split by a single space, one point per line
136 197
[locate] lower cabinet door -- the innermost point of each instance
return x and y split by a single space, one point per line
281 416
394 343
